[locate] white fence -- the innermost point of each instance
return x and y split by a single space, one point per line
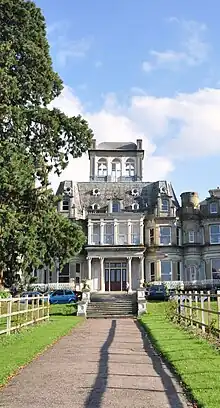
19 312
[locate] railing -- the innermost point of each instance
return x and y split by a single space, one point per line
200 309
19 312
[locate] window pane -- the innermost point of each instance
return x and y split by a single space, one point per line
215 268
213 207
166 270
116 206
214 229
165 205
118 275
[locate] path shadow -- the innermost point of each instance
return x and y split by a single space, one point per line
94 398
162 370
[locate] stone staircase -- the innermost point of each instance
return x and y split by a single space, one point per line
112 305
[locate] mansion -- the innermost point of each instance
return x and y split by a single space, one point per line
137 231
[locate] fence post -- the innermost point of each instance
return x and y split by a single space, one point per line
48 306
26 307
197 312
218 305
9 310
202 311
38 306
209 308
190 308
32 309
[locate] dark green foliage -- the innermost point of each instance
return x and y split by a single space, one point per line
34 141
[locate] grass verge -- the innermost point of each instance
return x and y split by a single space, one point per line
194 360
19 349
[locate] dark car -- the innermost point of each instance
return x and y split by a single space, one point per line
63 296
157 292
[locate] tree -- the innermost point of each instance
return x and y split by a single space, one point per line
34 140
32 232
28 84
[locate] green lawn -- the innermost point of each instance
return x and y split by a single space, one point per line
19 349
193 358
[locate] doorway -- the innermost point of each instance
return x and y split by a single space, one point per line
115 276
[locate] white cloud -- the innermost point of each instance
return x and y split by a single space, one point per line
192 51
66 48
172 129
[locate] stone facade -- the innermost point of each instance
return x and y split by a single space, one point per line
137 231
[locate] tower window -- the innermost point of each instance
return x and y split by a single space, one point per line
116 169
65 205
102 167
129 168
165 205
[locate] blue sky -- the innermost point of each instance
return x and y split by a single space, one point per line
146 69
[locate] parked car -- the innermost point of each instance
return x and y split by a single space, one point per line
30 295
157 292
63 296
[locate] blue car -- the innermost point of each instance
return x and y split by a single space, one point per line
60 297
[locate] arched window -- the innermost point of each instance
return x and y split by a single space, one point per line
191 272
135 206
130 168
116 169
102 167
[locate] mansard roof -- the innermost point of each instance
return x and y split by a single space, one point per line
117 146
146 194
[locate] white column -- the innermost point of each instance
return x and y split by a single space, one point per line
141 270
115 232
90 228
89 259
129 232
102 275
102 224
141 231
129 273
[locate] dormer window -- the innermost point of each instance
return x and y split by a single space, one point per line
165 205
95 207
213 208
65 206
129 168
102 167
135 206
116 206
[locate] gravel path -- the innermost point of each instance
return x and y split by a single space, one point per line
101 364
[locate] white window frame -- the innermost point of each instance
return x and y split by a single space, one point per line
191 237
122 235
217 234
96 235
130 168
216 207
109 237
162 262
170 235
102 171
166 207
116 169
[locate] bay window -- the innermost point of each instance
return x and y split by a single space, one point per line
109 234
214 232
122 233
165 235
166 270
216 268
95 234
135 233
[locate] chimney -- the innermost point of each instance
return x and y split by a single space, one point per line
93 144
139 144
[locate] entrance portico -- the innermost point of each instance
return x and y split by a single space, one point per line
108 273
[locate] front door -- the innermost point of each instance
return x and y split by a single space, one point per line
115 277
